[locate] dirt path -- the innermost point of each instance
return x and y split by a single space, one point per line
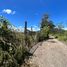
51 53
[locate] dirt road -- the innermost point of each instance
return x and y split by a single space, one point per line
52 53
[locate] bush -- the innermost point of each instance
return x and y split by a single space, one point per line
13 49
43 34
61 36
20 54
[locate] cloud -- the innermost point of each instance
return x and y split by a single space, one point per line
8 11
21 29
34 28
65 28
16 29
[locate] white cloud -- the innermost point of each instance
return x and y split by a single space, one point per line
34 28
21 29
8 11
65 28
16 29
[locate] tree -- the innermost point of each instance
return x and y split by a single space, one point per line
47 22
44 21
46 26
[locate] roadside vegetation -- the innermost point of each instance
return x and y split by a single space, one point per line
60 34
13 49
15 46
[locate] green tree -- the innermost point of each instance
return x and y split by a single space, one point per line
46 26
47 22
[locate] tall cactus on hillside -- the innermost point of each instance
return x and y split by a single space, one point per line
25 32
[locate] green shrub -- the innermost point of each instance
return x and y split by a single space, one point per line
43 34
61 36
20 54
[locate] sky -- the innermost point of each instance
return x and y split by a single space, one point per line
32 11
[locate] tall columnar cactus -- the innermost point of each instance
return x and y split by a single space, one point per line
25 31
